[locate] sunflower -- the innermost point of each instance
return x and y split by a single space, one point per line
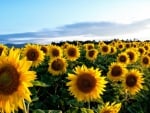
86 84
3 49
133 54
141 50
123 58
127 45
55 51
145 61
116 71
89 46
34 54
105 49
72 52
91 54
133 80
121 46
44 49
57 66
113 50
110 108
15 78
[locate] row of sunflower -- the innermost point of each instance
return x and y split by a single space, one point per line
76 77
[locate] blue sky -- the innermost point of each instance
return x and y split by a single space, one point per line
33 15
60 18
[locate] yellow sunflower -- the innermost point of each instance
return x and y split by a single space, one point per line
133 54
145 61
55 51
113 50
121 46
86 84
133 80
110 108
116 71
34 54
105 49
89 46
141 50
123 58
72 52
91 54
45 49
15 78
57 66
127 45
3 49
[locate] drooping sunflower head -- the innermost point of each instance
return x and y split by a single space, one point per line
123 58
57 66
44 48
15 78
55 51
91 54
132 82
116 71
110 108
3 49
86 84
145 61
133 54
105 49
72 52
34 54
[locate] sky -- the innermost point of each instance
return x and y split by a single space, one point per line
20 16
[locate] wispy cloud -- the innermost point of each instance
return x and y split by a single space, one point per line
101 29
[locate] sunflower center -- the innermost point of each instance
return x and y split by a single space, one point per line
127 45
104 48
1 50
122 58
9 80
86 82
131 80
120 46
131 55
55 52
116 71
57 65
91 53
72 52
32 55
90 47
112 50
141 50
44 49
145 60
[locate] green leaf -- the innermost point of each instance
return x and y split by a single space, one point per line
39 83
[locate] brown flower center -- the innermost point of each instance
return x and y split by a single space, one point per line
91 53
55 52
90 47
104 48
116 71
32 54
145 60
122 58
131 55
9 80
57 65
72 52
86 82
141 50
131 80
44 49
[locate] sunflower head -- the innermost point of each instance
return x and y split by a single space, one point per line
113 50
141 50
72 52
57 66
89 46
145 61
132 82
123 58
91 54
44 49
86 84
55 51
15 78
116 71
110 108
34 54
105 49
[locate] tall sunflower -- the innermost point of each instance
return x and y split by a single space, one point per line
133 80
123 58
15 78
86 84
110 108
34 54
57 66
55 51
116 71
72 52
91 54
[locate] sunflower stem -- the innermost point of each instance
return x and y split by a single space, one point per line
89 105
24 105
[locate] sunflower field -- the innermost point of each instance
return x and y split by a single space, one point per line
76 77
